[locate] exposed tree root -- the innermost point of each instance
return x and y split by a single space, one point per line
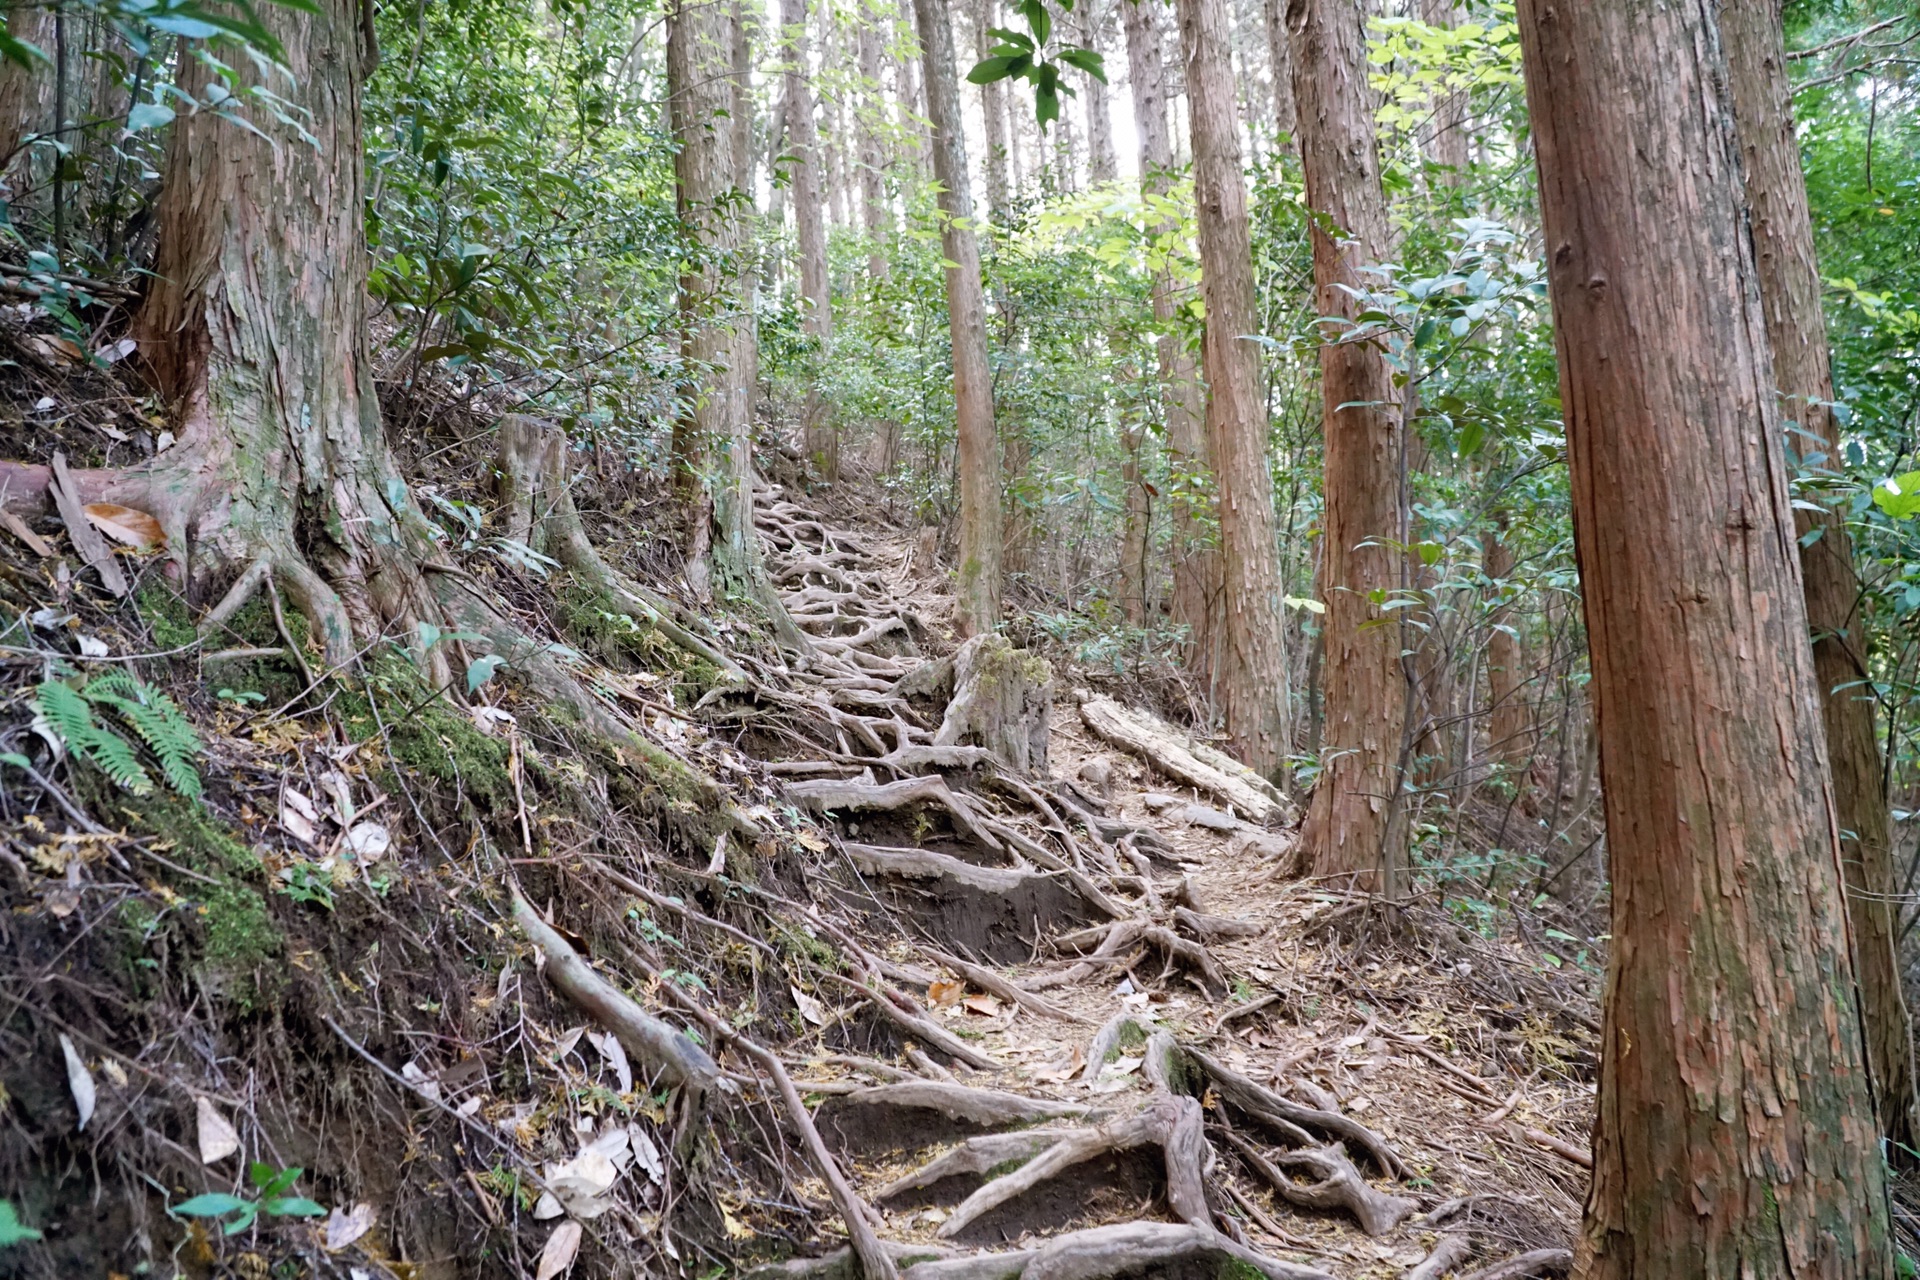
1449 1251
984 1108
1536 1262
1170 1123
537 503
1336 1184
1269 1107
1128 1249
663 1053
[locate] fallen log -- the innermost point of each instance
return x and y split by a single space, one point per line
1178 756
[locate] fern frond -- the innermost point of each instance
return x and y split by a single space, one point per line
161 726
66 712
114 756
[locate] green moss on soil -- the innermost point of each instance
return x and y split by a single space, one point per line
241 945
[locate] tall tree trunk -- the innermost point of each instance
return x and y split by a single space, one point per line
1736 1133
913 100
1194 560
1102 164
26 93
255 329
1135 527
809 220
1782 230
1356 822
1250 676
978 588
1446 133
993 101
873 192
1509 742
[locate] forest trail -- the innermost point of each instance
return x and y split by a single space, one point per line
1145 976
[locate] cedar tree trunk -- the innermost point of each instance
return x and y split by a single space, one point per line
1250 675
1355 824
1195 560
1736 1134
979 460
1796 333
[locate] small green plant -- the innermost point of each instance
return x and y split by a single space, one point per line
67 711
308 882
240 1213
12 1230
241 696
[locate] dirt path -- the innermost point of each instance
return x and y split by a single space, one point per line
1112 1037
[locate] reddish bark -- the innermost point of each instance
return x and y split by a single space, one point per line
1736 1133
1250 674
1355 824
1782 231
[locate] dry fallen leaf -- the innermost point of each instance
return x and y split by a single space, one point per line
346 1226
942 995
616 1057
810 1009
136 529
1064 1070
299 817
18 528
557 1258
368 842
217 1138
80 1080
812 839
984 1006
736 1230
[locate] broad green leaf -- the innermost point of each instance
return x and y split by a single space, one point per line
292 1207
1899 496
12 1230
148 115
214 1204
481 670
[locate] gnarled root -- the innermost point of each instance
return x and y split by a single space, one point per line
1337 1185
1536 1262
1290 1118
538 508
1129 1249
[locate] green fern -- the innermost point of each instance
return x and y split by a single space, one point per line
70 717
159 723
152 716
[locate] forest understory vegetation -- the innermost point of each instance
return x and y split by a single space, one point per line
1031 641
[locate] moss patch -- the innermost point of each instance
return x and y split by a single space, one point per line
423 733
240 942
596 624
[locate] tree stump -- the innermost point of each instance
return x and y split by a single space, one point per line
1001 701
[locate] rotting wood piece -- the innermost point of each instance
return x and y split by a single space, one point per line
1001 700
1178 756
